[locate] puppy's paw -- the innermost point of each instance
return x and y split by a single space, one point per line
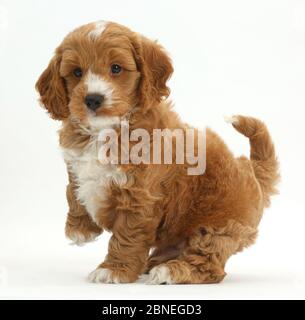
159 275
107 273
231 119
102 275
81 238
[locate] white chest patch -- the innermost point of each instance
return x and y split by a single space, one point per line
91 176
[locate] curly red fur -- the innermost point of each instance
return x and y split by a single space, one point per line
193 223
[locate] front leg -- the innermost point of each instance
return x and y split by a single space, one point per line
133 236
79 226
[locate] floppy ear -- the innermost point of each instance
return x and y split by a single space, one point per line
156 68
52 90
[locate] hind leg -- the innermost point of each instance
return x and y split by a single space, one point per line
204 257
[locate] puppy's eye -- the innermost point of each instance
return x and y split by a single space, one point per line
78 72
116 69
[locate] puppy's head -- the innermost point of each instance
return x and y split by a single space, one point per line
103 70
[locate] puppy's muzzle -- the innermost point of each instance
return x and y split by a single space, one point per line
94 101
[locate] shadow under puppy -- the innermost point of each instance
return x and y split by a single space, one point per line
179 228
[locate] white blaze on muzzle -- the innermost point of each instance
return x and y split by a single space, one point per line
97 85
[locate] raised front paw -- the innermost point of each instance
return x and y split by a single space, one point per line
82 231
80 238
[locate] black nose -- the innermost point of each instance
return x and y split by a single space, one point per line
94 101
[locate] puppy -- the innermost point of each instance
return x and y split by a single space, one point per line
178 228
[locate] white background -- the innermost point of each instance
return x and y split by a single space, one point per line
230 57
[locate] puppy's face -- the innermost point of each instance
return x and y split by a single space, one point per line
103 70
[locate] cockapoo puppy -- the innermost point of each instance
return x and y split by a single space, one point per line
178 228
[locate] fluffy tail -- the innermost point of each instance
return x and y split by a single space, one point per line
263 158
